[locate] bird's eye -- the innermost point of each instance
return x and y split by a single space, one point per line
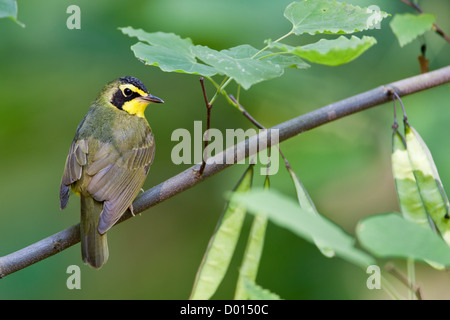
127 92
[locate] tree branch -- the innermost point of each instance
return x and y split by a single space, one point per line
188 178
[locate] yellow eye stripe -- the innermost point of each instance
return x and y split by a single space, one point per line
132 88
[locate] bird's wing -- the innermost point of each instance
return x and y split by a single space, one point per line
117 179
76 159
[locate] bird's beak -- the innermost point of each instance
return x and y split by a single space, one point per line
150 98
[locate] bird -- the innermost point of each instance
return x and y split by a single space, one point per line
108 162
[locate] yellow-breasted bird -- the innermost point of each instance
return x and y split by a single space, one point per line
108 162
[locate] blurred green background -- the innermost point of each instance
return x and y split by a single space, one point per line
49 75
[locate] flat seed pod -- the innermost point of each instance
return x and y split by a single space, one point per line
253 251
256 292
222 244
307 204
430 185
411 204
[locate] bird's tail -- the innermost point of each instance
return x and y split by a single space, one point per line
94 246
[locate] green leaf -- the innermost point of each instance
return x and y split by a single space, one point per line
408 27
408 193
167 51
253 251
239 64
222 244
171 53
256 292
8 9
389 235
323 16
307 204
286 213
331 52
430 185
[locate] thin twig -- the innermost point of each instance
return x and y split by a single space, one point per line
208 126
438 30
246 114
62 240
395 95
395 125
390 267
260 126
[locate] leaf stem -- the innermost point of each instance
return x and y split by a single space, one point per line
268 46
220 89
411 277
226 81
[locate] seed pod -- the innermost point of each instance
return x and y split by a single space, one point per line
253 251
430 185
307 204
222 244
411 204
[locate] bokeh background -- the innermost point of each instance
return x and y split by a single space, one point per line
49 75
